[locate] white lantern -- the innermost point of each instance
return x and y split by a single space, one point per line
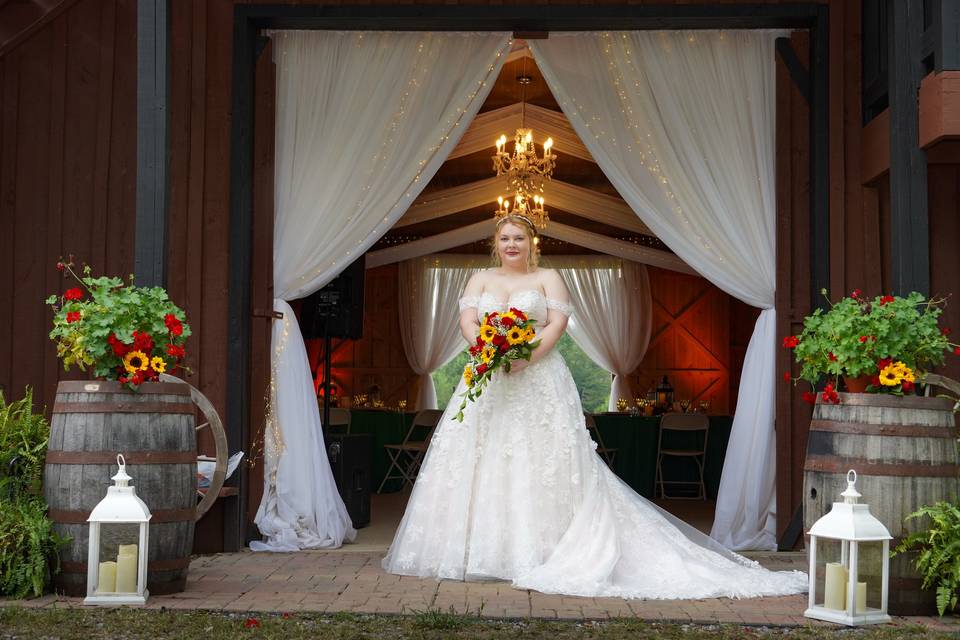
118 528
864 550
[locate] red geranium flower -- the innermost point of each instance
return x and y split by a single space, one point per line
875 381
786 376
830 394
906 386
945 331
73 294
956 351
60 266
176 351
73 316
137 378
832 357
810 397
864 339
884 362
791 341
251 623
174 326
886 300
142 341
856 294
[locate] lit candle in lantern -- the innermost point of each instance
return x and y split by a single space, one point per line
127 568
107 581
835 587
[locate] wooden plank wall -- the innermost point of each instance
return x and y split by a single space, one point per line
67 165
943 180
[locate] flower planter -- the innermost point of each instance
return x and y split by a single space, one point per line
856 385
904 452
154 429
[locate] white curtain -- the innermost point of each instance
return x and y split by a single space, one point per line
682 123
363 121
429 288
612 314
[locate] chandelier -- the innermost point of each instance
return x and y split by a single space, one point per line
525 170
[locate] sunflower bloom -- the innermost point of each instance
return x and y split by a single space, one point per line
487 354
890 376
468 375
515 336
905 372
136 361
529 334
487 332
158 364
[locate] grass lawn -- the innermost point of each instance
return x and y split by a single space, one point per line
96 624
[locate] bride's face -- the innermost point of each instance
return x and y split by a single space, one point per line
513 245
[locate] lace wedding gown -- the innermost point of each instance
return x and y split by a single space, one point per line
517 492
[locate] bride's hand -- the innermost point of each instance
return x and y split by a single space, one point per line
518 365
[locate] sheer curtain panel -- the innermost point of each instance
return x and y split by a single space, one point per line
682 123
363 121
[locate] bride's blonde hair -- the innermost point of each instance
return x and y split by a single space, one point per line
533 258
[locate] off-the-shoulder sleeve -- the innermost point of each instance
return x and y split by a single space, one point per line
469 302
563 307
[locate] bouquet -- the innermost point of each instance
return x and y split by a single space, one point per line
125 333
503 337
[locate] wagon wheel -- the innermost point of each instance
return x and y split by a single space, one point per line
219 439
942 381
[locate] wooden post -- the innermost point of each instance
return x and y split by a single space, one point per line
909 232
153 126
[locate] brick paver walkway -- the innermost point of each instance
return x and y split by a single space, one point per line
353 581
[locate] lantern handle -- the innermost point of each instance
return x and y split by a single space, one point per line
852 480
121 461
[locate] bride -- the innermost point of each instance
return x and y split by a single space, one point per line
517 492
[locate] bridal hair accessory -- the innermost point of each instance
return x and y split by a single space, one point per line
502 338
520 216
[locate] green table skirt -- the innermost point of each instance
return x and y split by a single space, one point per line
634 438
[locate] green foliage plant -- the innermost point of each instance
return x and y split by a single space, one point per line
121 331
858 336
28 543
938 558
23 446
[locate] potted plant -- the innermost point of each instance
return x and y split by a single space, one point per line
879 345
123 332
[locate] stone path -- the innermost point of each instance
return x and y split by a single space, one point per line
353 581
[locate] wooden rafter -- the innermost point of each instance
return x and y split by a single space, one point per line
595 206
488 126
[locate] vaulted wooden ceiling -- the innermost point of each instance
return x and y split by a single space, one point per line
582 204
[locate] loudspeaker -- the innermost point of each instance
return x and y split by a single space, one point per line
351 460
336 311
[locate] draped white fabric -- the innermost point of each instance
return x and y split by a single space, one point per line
363 121
429 316
682 123
612 314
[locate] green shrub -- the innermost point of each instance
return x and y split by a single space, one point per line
938 561
28 544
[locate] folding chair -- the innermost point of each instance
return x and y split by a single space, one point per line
339 420
608 455
407 456
688 428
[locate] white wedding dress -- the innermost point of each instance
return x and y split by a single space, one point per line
517 492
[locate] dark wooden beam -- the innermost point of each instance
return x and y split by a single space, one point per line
909 232
798 72
946 35
153 127
819 158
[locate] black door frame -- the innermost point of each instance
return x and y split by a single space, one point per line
247 44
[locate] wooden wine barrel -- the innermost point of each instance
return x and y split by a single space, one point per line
154 429
904 451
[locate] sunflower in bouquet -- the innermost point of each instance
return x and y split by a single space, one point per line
503 338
